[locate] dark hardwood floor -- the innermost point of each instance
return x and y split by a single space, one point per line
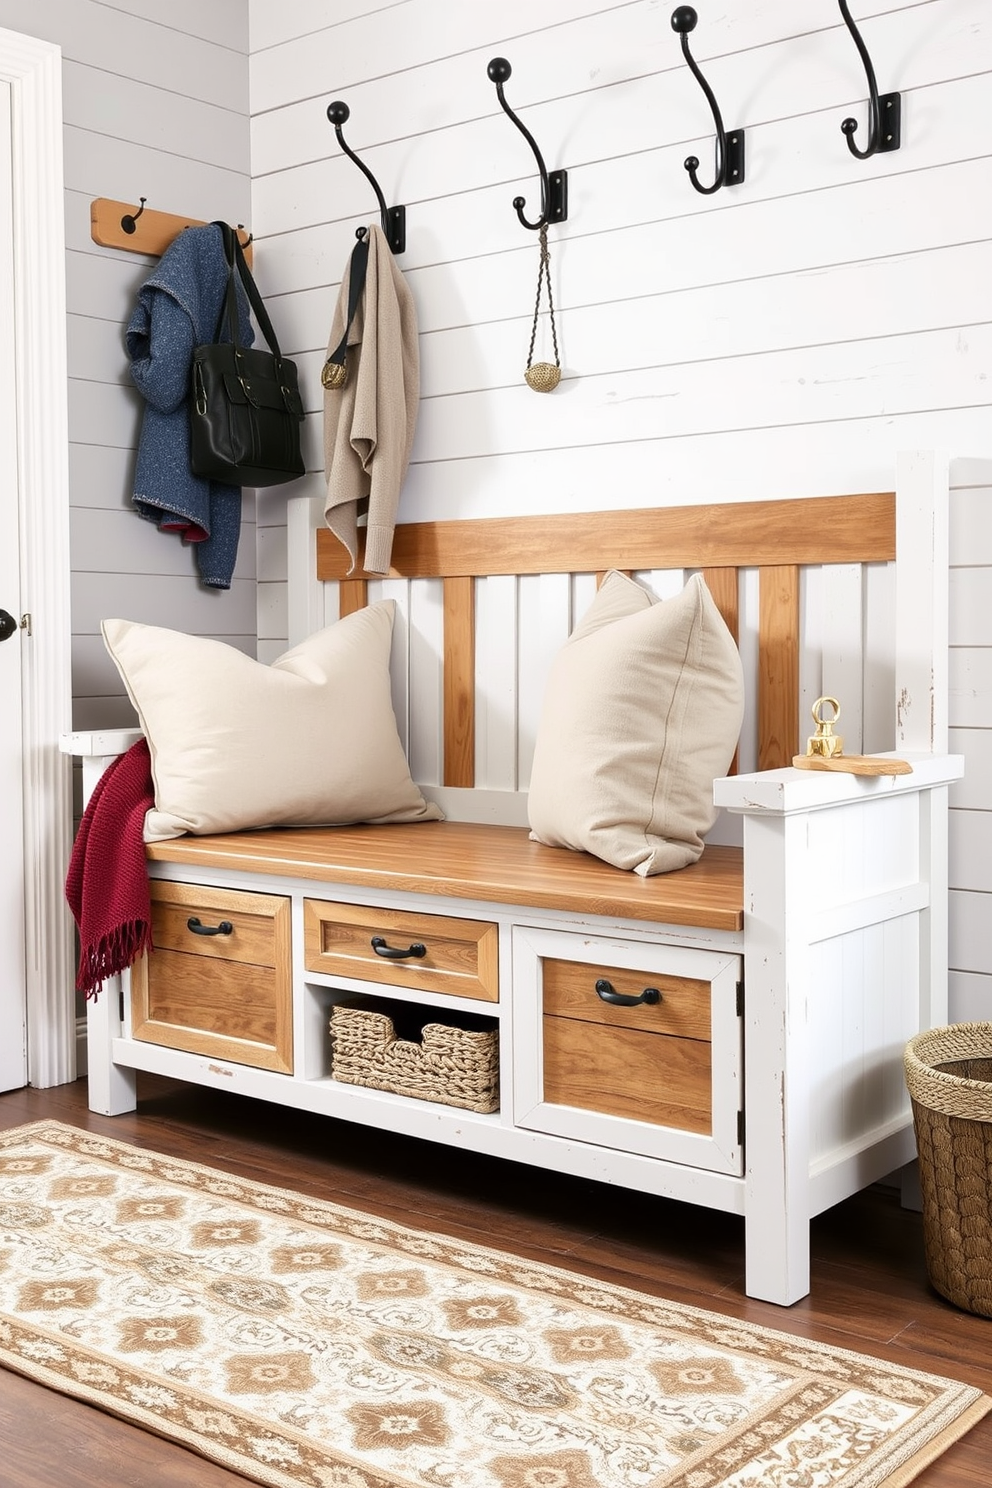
869 1292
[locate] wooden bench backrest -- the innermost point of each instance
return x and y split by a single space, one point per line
778 541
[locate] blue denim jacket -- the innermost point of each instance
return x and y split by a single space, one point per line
177 309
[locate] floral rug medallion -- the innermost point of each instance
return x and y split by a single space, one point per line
306 1345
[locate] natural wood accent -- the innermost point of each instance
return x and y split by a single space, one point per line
723 584
252 916
778 666
853 764
230 1012
228 996
461 957
638 1076
869 1286
459 682
353 595
470 860
776 537
748 534
570 991
153 231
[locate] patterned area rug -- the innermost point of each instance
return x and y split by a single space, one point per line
300 1343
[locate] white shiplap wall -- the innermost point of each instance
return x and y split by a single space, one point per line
783 338
155 102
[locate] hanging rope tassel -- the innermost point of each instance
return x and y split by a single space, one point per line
542 376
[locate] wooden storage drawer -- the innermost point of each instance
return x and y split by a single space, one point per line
436 953
228 994
649 1062
630 1045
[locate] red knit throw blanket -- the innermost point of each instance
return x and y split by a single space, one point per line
107 883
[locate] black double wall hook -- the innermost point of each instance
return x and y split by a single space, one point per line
884 114
393 219
729 147
554 184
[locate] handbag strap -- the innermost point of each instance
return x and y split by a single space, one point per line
236 261
356 283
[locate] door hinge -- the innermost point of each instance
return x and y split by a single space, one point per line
740 1128
740 999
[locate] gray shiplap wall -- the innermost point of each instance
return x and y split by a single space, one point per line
784 338
155 102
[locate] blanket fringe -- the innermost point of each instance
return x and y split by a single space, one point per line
112 954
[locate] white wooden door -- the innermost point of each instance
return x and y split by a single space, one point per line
13 1044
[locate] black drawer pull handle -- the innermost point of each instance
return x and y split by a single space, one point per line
224 928
393 953
605 992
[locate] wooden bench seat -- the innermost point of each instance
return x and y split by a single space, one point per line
469 860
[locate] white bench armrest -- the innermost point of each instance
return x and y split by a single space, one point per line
97 749
784 791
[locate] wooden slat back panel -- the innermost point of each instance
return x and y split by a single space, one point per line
459 682
778 665
725 586
776 538
354 595
749 534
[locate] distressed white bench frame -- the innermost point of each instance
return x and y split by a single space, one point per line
844 936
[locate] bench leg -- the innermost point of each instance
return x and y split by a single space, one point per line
776 1064
112 1088
776 1239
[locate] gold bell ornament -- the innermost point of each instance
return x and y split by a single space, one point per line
825 749
825 742
543 377
334 374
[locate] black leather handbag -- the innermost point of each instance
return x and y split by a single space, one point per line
245 409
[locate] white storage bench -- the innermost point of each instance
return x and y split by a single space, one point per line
729 1034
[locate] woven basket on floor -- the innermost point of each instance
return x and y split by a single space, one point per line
949 1077
455 1063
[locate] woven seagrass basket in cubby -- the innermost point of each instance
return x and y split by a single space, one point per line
949 1078
449 1057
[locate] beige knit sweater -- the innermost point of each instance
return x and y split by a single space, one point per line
369 423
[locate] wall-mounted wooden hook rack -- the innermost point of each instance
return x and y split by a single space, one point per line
116 224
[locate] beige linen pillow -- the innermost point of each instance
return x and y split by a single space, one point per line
642 712
310 740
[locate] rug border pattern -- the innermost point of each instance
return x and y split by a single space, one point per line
948 1408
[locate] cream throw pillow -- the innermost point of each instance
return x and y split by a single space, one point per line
310 740
642 712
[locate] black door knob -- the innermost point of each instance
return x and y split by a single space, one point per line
8 625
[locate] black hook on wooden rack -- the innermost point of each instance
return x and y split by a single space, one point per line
729 147
884 114
393 219
129 220
554 184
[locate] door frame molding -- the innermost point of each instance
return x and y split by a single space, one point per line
33 69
